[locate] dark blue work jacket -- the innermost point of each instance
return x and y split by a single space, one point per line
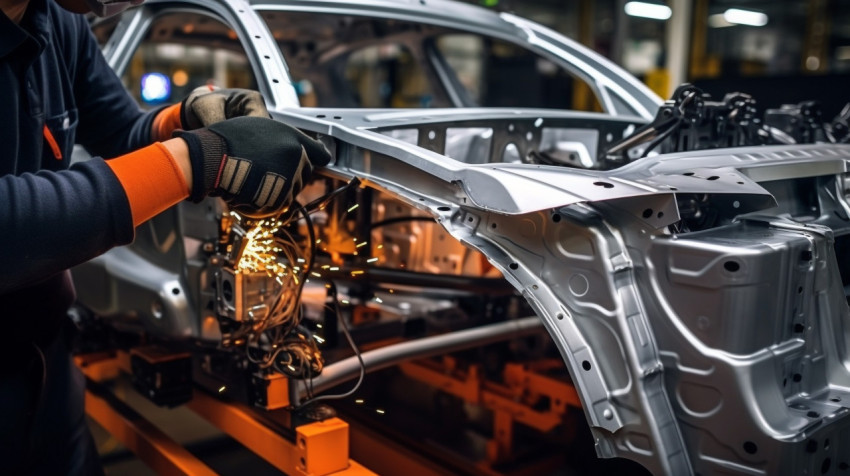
57 89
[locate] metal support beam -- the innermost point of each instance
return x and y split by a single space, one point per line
699 59
152 446
321 447
377 359
678 43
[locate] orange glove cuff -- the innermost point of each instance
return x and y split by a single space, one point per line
166 122
152 180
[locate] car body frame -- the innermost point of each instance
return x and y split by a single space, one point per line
697 298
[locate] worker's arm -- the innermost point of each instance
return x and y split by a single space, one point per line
51 221
55 220
110 121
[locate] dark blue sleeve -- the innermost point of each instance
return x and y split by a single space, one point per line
111 122
60 219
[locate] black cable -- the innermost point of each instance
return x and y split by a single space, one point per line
353 347
660 137
324 199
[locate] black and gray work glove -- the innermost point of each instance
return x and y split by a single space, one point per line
205 106
257 165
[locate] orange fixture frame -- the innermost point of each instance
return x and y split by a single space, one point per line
321 448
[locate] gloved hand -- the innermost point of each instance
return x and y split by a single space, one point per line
205 106
257 165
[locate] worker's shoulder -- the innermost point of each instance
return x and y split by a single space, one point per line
70 32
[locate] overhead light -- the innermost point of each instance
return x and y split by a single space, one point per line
745 17
648 10
156 88
718 21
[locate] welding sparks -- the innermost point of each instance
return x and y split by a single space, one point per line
380 411
371 260
222 389
358 272
378 300
363 243
319 339
359 400
260 252
353 207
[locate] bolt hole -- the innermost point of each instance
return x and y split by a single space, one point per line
470 219
796 377
560 317
175 291
824 468
443 209
603 184
813 414
731 266
660 215
303 462
227 291
843 466
750 447
556 218
713 177
493 226
799 328
275 81
811 446
835 399
800 290
513 266
688 174
826 444
647 213
806 255
585 365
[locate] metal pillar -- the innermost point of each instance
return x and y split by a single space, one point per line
678 43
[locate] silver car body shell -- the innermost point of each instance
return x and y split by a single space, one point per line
665 334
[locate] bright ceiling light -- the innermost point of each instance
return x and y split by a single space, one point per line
648 10
745 17
718 21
